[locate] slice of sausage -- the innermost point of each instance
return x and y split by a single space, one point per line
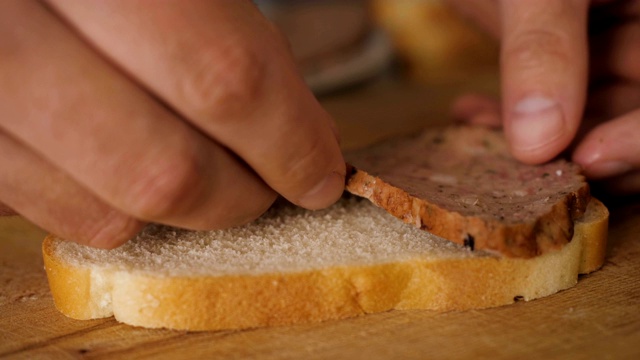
461 183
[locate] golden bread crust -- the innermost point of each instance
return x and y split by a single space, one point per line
236 302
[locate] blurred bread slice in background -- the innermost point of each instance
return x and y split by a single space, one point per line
435 42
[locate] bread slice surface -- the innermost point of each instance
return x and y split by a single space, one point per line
294 266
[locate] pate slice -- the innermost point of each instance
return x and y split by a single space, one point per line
461 183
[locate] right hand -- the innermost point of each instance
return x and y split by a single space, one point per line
192 114
557 57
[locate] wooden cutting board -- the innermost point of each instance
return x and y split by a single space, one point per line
599 318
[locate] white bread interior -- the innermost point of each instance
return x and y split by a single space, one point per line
294 266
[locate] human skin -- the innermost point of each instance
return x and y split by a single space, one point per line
118 113
570 79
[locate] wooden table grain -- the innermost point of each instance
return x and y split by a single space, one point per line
597 319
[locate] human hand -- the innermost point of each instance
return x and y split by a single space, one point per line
116 113
555 57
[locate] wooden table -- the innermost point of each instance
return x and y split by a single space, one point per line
597 319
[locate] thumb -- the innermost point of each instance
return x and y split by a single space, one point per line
544 74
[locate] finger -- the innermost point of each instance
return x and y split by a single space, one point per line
477 109
616 53
52 200
86 118
612 148
613 100
232 75
544 75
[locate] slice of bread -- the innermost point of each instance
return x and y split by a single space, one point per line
461 183
293 266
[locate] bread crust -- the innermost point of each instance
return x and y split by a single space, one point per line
237 302
414 179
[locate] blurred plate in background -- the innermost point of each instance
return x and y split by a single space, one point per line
334 42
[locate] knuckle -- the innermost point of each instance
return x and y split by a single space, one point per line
166 187
535 49
222 81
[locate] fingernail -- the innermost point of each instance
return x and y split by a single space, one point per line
602 169
325 193
537 121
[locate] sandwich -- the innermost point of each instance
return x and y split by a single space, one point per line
442 221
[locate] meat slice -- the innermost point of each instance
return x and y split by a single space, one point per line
462 184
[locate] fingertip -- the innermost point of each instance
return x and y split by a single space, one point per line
595 164
586 153
536 129
312 168
611 149
326 192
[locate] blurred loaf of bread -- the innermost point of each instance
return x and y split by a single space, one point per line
435 42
